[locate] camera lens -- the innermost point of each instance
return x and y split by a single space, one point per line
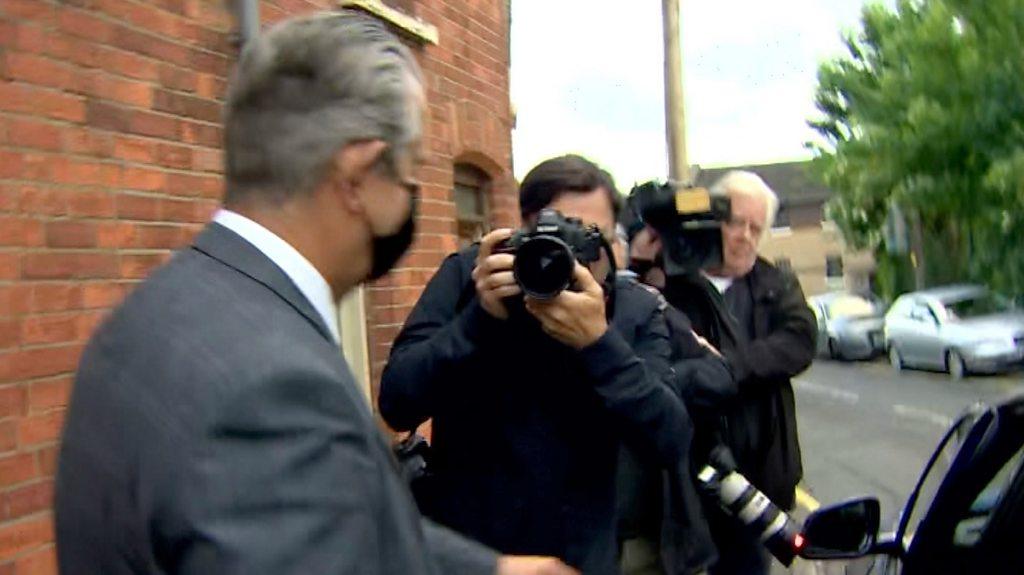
777 531
544 266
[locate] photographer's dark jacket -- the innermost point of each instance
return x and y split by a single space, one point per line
526 431
663 505
773 341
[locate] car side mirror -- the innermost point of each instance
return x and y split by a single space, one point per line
842 531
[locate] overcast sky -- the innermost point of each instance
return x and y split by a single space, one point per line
587 78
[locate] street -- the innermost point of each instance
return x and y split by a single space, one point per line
866 429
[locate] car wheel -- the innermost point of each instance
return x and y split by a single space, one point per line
895 359
955 365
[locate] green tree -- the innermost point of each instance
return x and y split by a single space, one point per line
927 112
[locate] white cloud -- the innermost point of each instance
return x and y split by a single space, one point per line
587 78
583 81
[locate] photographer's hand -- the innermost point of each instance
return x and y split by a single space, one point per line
575 318
493 275
646 245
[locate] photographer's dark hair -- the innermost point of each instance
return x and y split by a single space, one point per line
564 174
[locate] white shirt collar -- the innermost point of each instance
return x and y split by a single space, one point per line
294 265
721 283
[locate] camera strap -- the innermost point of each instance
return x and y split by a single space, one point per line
609 281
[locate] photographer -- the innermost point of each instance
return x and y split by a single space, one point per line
530 398
658 510
702 377
757 316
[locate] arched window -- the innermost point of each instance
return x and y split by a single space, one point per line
472 205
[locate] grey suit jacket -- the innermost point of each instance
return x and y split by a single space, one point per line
214 428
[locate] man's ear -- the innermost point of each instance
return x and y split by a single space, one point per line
351 167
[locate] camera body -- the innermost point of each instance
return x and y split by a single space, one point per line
688 219
546 253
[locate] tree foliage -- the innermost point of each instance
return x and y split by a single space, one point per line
926 111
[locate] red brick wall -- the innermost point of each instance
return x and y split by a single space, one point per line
110 158
470 122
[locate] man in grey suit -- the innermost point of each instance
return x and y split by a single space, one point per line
214 426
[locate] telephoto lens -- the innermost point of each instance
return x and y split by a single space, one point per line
778 532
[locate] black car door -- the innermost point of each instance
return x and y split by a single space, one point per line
974 521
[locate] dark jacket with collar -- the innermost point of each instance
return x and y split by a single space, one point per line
759 422
664 504
526 431
215 428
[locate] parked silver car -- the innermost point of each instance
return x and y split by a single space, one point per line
958 329
849 325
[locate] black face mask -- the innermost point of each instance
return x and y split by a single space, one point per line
387 250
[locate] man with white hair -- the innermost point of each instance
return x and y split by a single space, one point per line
756 317
770 338
754 206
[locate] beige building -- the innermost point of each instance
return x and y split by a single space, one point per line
802 239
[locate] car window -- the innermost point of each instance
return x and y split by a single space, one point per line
901 307
977 306
923 313
971 527
850 306
933 476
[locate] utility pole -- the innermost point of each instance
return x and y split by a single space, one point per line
675 117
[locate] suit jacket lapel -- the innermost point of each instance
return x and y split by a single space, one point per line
232 250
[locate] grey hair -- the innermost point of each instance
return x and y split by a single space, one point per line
303 90
742 182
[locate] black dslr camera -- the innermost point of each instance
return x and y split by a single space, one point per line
547 252
688 219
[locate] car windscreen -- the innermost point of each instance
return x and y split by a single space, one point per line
977 306
850 306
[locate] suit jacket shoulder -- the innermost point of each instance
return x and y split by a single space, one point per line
215 428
